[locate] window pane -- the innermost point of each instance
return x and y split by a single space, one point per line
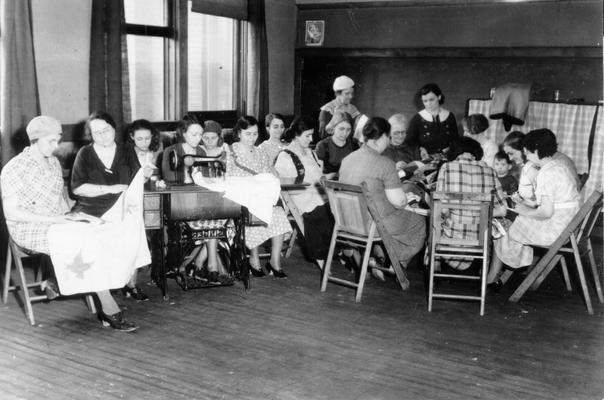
146 68
211 62
146 12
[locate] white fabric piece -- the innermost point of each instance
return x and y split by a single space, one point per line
259 193
91 257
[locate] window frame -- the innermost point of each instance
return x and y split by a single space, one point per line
175 35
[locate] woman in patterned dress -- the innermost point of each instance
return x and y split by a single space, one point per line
541 221
244 159
343 88
33 200
275 128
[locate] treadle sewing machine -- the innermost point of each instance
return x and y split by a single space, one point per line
193 214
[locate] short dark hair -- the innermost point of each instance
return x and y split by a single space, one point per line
97 115
465 144
299 124
542 141
476 123
503 156
514 140
140 124
184 124
432 88
375 128
242 123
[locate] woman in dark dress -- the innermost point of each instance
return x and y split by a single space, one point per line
337 145
101 172
434 127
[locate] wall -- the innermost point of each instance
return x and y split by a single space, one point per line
465 49
62 46
281 35
576 23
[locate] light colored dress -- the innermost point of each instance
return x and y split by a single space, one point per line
241 162
555 181
271 149
528 181
38 186
311 197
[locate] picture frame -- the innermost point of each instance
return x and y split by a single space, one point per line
314 33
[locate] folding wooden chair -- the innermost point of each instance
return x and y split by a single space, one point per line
293 214
354 227
575 237
17 254
469 248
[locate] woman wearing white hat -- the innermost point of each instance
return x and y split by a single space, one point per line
343 88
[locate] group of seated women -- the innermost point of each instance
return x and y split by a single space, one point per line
546 199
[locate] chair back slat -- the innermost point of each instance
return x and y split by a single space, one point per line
348 207
477 205
584 230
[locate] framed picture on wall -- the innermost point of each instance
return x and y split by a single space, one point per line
315 33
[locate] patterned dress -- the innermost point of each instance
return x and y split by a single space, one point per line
555 181
271 149
241 162
38 185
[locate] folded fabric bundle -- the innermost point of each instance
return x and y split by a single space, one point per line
510 102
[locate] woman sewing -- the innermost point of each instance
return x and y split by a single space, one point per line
33 201
332 150
245 159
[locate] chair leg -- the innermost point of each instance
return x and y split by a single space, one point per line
431 278
90 303
581 274
25 290
569 288
7 273
483 275
291 243
594 270
363 274
327 269
506 275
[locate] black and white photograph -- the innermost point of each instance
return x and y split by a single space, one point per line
302 199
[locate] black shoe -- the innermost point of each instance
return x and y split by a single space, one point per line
117 321
257 272
135 292
495 287
277 273
201 274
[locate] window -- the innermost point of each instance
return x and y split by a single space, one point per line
212 62
150 44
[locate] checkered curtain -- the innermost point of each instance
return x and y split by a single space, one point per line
570 122
596 172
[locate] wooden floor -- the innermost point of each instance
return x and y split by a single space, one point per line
287 340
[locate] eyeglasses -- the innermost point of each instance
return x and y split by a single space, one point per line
103 131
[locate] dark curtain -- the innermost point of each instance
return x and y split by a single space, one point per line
109 86
257 62
19 86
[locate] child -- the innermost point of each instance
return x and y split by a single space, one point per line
502 166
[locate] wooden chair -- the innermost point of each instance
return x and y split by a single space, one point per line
470 248
575 237
294 215
355 227
17 254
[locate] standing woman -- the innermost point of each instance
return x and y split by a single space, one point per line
332 150
275 127
101 172
343 88
434 127
245 159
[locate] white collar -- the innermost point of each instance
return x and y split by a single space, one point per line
442 115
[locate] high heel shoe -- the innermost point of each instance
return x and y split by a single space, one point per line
257 272
495 287
277 273
135 292
117 321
